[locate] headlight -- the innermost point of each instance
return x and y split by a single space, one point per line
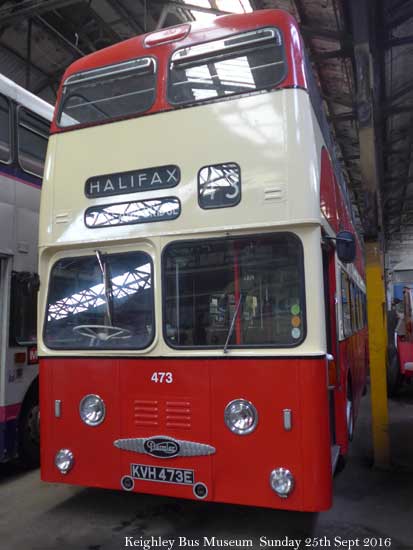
241 417
64 460
282 482
92 410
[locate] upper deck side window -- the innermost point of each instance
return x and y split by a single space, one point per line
32 137
5 130
107 93
242 63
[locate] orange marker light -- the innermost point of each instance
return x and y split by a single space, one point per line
295 321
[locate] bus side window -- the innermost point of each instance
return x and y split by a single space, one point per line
346 303
5 130
23 308
32 136
357 307
360 295
353 306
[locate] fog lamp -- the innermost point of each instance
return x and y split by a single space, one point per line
92 410
64 460
282 482
241 417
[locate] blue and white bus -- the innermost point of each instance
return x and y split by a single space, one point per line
24 130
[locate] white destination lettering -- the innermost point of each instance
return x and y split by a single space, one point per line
171 175
108 186
120 184
141 179
94 187
127 182
156 178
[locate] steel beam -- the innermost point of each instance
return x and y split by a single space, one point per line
368 65
15 12
332 54
348 115
402 15
400 41
192 7
317 32
345 100
127 15
29 52
22 58
366 101
50 80
111 34
40 20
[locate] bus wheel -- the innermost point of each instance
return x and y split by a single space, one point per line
342 459
394 378
29 433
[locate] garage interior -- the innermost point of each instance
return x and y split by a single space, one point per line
361 53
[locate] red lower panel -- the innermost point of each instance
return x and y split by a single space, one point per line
405 352
188 405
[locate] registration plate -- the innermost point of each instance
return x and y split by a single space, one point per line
163 475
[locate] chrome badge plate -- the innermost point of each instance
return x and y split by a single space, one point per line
161 446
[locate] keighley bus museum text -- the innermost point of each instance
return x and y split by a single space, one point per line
149 543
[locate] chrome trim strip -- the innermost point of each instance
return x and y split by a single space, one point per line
224 44
111 70
186 448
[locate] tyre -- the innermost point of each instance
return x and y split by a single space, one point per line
342 459
394 377
29 433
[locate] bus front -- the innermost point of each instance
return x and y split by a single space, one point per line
182 334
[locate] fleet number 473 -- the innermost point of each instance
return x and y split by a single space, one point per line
162 377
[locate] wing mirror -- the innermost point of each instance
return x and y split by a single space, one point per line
346 247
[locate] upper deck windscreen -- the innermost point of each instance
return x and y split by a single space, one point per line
108 93
240 63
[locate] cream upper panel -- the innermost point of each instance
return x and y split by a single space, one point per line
270 136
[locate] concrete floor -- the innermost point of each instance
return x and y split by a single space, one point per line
368 504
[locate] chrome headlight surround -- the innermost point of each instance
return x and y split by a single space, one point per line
64 460
92 409
241 417
282 482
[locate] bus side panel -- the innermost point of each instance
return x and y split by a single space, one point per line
353 365
316 442
345 359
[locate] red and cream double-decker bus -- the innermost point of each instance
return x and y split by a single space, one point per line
202 313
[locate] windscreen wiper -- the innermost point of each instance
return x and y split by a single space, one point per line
107 285
231 328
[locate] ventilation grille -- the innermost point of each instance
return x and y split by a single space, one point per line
178 414
146 413
162 414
